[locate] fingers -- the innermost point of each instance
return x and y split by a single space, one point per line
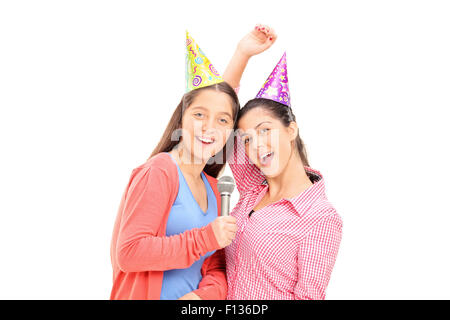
231 230
230 235
230 224
267 31
228 219
230 227
225 229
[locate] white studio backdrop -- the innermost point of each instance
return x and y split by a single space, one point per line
87 88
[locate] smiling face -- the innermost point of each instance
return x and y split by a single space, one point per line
268 142
206 125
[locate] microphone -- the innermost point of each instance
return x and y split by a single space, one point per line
225 187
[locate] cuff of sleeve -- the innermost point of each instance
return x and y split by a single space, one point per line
203 294
210 238
206 294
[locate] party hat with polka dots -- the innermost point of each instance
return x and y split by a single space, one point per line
199 70
276 86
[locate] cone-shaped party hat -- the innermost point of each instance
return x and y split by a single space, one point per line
276 86
199 70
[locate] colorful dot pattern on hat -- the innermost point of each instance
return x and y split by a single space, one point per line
199 70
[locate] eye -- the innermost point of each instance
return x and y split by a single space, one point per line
246 140
264 130
198 114
223 120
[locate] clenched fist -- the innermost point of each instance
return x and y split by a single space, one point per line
224 229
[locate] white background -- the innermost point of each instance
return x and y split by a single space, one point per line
87 88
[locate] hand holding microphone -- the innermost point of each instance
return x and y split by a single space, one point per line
224 227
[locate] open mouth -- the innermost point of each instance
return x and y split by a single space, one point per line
266 158
205 140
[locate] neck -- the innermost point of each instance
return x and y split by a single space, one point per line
291 181
190 166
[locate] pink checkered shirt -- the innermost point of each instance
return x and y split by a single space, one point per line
285 250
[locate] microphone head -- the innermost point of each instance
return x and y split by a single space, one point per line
225 185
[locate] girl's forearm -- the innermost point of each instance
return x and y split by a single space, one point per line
235 69
256 41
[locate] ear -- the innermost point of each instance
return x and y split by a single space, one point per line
293 130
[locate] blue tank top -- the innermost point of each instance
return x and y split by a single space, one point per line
186 214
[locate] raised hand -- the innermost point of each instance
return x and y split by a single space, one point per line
261 38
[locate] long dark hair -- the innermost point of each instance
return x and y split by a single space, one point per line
280 112
168 141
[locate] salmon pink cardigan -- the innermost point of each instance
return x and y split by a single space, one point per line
140 249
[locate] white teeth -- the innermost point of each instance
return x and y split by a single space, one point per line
207 140
265 155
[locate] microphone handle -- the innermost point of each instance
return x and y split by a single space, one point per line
225 205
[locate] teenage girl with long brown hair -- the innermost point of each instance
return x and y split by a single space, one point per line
168 239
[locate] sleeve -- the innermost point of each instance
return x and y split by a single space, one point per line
246 174
213 285
138 246
316 258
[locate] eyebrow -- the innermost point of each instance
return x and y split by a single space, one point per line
203 108
246 134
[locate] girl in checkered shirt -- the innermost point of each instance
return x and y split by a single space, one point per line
288 232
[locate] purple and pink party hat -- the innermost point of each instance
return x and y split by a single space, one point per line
276 86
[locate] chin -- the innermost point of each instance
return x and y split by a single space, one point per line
203 157
271 171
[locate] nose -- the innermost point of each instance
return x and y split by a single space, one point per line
259 145
208 124
255 145
260 142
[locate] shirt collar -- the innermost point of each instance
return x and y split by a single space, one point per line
308 197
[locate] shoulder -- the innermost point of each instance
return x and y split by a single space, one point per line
322 218
160 161
159 166
323 209
326 216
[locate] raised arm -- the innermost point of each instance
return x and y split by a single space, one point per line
262 37
256 41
